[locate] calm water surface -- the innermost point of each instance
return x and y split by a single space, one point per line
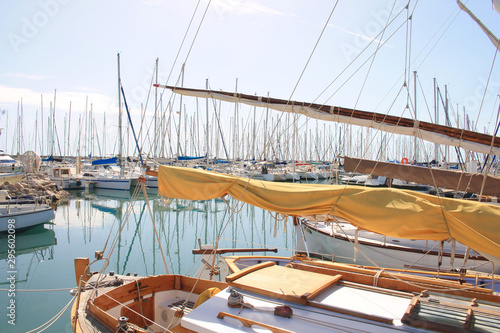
89 221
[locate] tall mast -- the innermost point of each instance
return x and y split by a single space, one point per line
155 148
41 120
180 116
69 129
436 119
415 152
120 143
208 136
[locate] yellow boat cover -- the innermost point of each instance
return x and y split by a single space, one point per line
392 212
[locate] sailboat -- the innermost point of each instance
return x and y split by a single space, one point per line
108 178
22 215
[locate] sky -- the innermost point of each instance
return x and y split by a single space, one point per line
64 52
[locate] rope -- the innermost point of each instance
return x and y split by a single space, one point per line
39 290
53 319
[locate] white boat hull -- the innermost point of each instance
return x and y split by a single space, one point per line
112 183
24 216
377 250
151 182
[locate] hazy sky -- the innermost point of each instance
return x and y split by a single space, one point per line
271 47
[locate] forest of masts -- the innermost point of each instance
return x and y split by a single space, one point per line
232 132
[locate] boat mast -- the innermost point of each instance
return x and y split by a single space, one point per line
415 151
155 142
208 136
436 119
180 116
69 129
120 143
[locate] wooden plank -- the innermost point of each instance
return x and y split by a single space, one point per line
248 270
222 251
198 286
144 306
363 276
469 319
410 310
319 290
80 266
271 293
248 322
285 283
400 276
102 316
128 291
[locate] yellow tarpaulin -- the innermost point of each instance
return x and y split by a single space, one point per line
392 212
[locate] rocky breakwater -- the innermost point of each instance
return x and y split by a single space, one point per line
34 186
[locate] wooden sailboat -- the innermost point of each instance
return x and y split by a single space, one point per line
298 295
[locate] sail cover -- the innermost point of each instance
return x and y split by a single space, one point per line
449 179
392 212
440 134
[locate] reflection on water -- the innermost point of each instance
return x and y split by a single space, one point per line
90 222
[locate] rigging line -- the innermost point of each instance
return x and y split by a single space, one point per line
177 56
313 50
143 118
375 54
486 88
179 50
425 46
437 31
195 36
359 68
349 65
307 64
487 165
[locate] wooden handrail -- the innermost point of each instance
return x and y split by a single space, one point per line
248 322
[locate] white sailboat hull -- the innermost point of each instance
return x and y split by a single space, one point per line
24 216
386 251
151 182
